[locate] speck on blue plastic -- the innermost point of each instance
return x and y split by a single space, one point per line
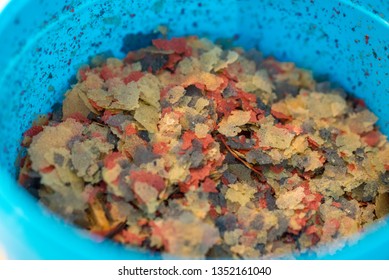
42 44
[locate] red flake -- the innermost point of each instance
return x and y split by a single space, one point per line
305 185
206 141
360 102
164 91
209 186
315 203
253 117
98 135
177 45
22 178
199 86
311 229
276 169
336 204
224 180
23 162
187 138
107 115
106 73
225 75
94 104
185 187
166 110
212 212
247 100
142 222
200 173
160 148
246 96
47 169
172 61
110 159
280 115
226 106
315 239
34 130
146 177
263 203
82 73
79 117
130 130
312 143
386 166
133 77
372 138
132 238
301 221
131 57
224 83
351 166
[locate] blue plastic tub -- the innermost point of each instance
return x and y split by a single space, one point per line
44 42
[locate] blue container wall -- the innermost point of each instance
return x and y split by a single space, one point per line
44 42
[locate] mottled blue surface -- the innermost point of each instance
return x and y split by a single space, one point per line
43 43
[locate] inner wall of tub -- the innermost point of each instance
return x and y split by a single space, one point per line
49 44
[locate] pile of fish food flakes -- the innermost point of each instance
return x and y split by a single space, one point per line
189 149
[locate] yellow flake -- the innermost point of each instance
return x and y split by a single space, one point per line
231 58
291 199
52 138
272 136
326 105
150 90
201 130
126 96
210 58
240 192
147 116
230 126
348 142
74 104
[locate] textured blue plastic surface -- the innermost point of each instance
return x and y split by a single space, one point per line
44 42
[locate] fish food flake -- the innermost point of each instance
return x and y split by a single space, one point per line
188 149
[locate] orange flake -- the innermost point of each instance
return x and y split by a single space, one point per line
280 115
372 138
132 238
177 45
47 169
160 148
133 77
110 160
209 186
311 230
130 130
187 138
